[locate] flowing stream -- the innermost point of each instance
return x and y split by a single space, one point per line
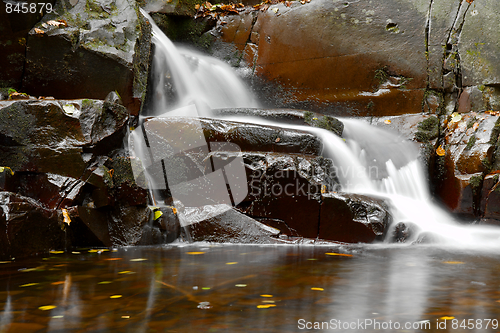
370 161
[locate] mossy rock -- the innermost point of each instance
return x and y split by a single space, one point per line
326 122
427 129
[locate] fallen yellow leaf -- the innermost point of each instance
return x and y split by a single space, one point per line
453 262
195 253
174 210
116 296
139 259
47 307
318 289
158 213
266 295
66 218
231 263
387 121
57 283
447 318
39 31
440 151
456 117
125 272
56 252
265 306
29 284
339 254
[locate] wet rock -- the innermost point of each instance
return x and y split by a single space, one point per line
249 137
14 28
96 222
468 155
52 191
490 197
377 80
126 224
353 218
26 228
93 48
471 99
479 43
228 226
58 137
288 116
403 232
284 190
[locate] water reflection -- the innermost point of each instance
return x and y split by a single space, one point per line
242 288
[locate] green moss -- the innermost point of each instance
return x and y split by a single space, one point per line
476 181
382 74
326 122
427 129
471 142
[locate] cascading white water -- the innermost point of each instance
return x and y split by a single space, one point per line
371 161
183 77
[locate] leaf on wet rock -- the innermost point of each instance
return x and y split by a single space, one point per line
39 31
456 117
4 169
66 218
158 214
69 109
387 121
440 151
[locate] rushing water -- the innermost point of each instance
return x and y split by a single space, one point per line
370 161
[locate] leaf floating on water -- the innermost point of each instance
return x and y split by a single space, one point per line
338 254
453 262
116 296
195 253
317 289
58 317
125 317
231 263
139 259
57 283
240 285
440 151
47 307
266 295
125 272
29 284
105 282
265 306
56 252
205 288
114 259
447 318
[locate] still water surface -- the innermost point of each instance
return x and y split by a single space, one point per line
231 288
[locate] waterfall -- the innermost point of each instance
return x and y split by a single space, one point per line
370 161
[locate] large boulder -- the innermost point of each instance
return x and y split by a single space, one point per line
59 137
26 228
353 218
85 49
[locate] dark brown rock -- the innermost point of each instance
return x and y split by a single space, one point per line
101 47
353 218
26 228
226 225
284 190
